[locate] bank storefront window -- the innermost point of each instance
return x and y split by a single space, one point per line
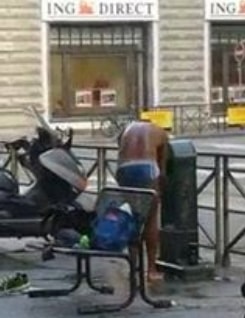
95 69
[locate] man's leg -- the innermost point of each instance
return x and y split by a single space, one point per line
151 232
151 235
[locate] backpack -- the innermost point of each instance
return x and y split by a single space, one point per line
114 230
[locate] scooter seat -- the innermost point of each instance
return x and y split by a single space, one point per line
4 214
16 206
8 183
4 196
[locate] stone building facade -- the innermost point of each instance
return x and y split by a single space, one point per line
181 52
20 61
178 47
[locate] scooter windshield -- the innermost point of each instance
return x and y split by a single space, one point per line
65 166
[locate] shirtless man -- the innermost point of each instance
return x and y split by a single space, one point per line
142 164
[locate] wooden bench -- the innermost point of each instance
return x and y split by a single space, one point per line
141 202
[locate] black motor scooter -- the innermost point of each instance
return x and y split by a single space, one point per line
59 179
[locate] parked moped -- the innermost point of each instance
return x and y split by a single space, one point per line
58 180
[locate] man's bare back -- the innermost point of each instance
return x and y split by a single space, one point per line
143 140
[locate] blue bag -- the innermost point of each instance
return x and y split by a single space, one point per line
114 230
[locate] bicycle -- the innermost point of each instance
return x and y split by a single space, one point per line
14 155
113 125
14 158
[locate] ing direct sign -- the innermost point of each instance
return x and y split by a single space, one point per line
99 10
225 10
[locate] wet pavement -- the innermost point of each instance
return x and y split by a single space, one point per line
214 298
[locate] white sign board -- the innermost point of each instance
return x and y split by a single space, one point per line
225 10
239 52
108 97
99 10
83 98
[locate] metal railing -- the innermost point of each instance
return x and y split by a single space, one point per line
221 178
187 119
222 174
219 174
195 119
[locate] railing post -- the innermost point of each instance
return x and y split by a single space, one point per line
218 212
101 153
13 162
181 121
175 130
226 228
92 127
199 119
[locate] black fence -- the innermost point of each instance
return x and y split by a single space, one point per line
220 190
221 195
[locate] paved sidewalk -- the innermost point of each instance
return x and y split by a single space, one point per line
214 298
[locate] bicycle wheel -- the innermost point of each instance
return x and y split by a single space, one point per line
5 156
5 161
108 127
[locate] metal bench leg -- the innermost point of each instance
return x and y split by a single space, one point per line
106 308
53 292
156 303
103 289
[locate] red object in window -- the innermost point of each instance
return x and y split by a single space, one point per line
101 83
85 8
242 6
